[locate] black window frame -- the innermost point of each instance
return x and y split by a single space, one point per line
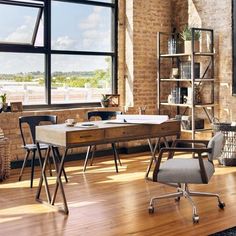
47 51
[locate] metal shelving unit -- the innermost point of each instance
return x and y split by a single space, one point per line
165 58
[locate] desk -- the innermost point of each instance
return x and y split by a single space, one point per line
104 132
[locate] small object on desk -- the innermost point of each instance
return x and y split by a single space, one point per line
70 122
86 125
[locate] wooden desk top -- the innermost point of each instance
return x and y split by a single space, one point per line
103 132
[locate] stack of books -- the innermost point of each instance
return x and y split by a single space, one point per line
178 94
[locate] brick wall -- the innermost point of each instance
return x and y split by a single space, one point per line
143 20
217 15
9 124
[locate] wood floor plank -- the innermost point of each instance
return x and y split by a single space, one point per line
102 202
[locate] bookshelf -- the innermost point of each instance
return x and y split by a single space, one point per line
181 77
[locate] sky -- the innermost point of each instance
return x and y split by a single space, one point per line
74 27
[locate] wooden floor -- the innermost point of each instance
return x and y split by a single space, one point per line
102 202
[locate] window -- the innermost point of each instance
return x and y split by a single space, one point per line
22 77
81 27
19 23
80 79
56 52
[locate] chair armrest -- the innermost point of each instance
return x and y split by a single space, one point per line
189 141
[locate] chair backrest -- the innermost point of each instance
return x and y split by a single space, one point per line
104 115
217 144
32 122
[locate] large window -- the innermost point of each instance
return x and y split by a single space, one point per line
58 52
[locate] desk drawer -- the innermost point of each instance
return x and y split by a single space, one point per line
166 128
129 131
85 136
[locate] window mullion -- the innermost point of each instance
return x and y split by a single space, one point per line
47 43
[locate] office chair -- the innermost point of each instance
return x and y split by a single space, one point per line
104 115
31 146
179 172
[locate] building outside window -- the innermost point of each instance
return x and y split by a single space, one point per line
57 52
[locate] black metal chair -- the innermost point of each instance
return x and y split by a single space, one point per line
31 146
104 115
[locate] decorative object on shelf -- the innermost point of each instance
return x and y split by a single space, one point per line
4 102
105 100
172 45
186 35
142 110
178 95
197 94
186 123
185 70
114 100
175 73
16 106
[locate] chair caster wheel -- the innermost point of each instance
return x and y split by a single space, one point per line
150 209
195 219
221 205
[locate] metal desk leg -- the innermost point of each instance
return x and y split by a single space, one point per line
153 154
115 155
60 184
58 159
86 158
43 175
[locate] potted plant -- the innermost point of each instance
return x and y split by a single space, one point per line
105 100
4 101
186 35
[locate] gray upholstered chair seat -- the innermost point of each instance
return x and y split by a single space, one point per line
183 170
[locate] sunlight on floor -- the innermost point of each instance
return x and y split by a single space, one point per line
82 204
25 209
124 177
8 219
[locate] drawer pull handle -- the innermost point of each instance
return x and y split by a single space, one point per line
86 136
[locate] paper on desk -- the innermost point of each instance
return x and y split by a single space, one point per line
140 119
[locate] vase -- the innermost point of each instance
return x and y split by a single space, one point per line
188 46
4 107
105 103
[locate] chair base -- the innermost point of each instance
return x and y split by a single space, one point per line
185 192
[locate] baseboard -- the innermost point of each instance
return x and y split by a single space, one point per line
81 156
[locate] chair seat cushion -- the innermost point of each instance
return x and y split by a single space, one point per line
183 170
33 147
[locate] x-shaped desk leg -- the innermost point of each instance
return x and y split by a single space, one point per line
153 149
59 171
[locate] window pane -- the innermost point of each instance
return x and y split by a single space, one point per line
17 23
81 27
22 78
78 79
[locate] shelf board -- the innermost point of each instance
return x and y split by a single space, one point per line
186 80
204 53
175 55
187 105
187 54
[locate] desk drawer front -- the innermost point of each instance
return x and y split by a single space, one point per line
166 128
129 131
85 136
